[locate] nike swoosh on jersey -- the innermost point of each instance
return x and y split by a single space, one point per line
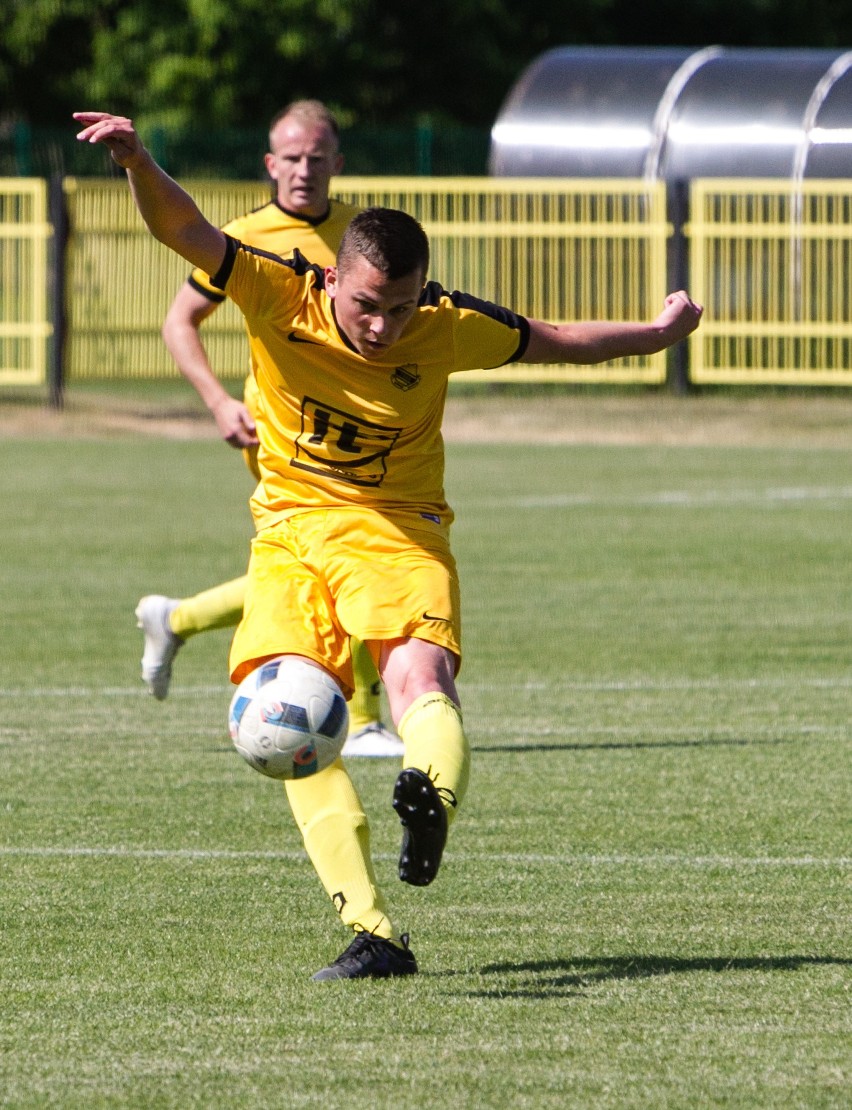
431 617
298 339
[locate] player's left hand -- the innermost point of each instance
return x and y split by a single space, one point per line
680 316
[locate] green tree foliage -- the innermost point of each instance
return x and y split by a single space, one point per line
220 63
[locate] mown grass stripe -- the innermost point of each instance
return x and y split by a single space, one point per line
577 859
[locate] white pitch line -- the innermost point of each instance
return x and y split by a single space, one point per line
614 685
688 499
575 859
110 691
639 685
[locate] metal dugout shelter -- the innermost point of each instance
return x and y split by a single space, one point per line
678 114
755 149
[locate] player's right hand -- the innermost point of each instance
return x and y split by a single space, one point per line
117 134
235 423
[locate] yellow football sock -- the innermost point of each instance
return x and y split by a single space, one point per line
336 834
431 729
365 707
219 607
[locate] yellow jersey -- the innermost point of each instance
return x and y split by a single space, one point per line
272 228
337 429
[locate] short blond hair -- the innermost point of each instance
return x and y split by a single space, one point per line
307 111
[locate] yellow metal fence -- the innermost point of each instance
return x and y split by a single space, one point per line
770 261
551 249
24 312
772 265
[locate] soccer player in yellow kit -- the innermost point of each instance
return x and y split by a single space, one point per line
303 157
352 524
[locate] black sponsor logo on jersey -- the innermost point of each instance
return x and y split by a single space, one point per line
295 338
406 377
341 445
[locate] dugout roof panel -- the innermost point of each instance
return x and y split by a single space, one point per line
678 113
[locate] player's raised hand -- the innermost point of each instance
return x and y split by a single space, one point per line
171 214
117 134
680 316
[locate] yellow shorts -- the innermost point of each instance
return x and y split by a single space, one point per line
250 457
323 575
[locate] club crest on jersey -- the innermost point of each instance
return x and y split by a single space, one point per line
406 377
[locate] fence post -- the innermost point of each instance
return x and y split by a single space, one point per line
678 267
23 137
58 214
424 147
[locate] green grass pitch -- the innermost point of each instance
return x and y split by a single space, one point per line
646 901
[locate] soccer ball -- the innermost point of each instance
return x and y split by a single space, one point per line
288 719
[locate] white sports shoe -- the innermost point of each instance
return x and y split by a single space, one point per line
161 644
373 740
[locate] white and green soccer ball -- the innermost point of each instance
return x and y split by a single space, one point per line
288 719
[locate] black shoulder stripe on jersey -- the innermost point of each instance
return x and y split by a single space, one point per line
301 265
220 278
433 292
524 328
298 263
217 297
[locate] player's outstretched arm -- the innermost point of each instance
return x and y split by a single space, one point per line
181 335
171 214
587 343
